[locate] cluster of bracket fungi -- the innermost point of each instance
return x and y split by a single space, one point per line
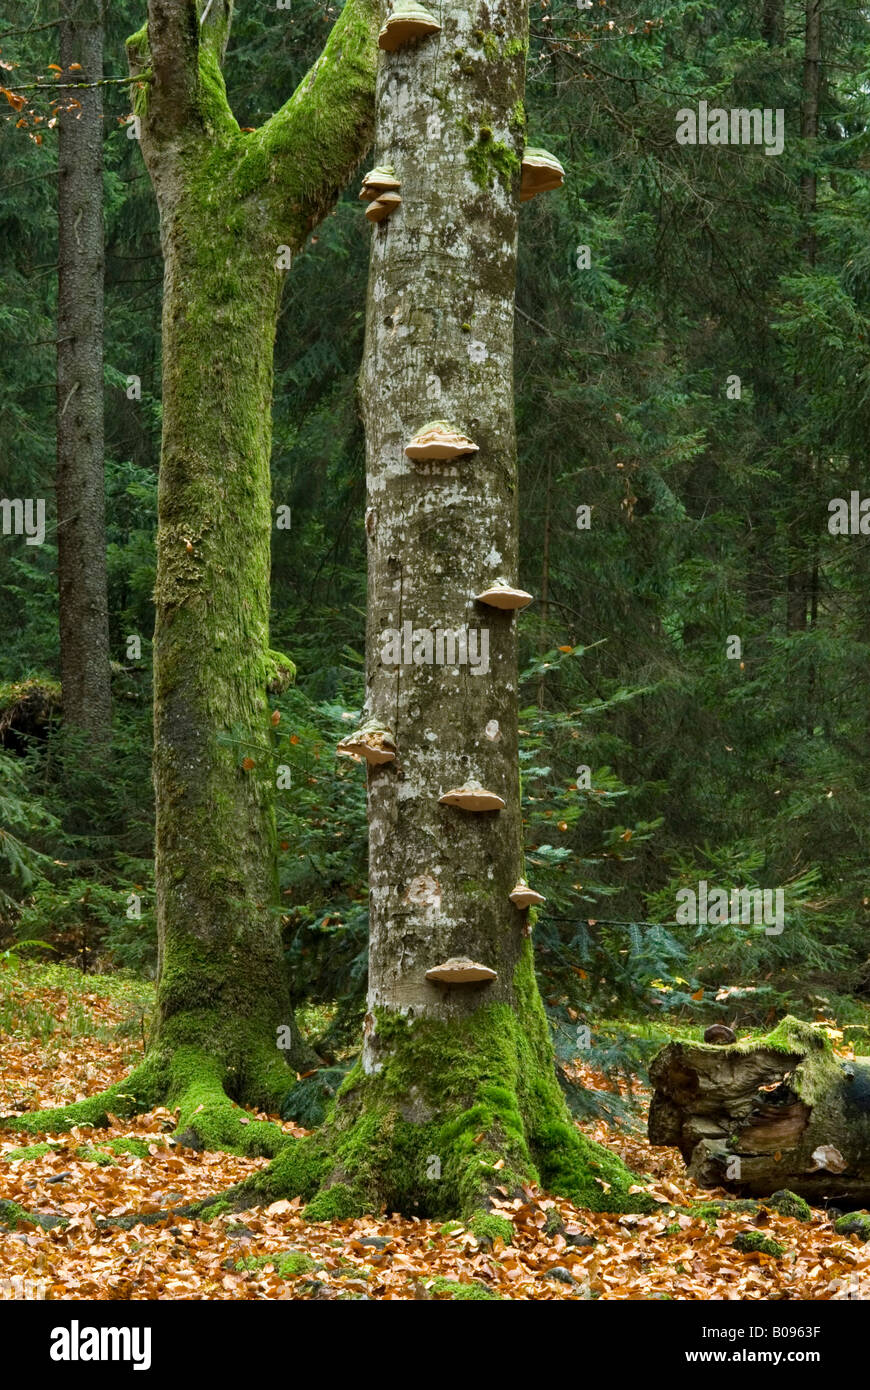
408 22
373 743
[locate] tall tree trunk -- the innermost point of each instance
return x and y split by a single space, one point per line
232 206
228 202
545 581
801 596
773 23
81 521
456 1092
810 133
810 117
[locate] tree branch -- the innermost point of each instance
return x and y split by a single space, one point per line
317 137
183 49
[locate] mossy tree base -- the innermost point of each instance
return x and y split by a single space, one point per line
453 1113
197 1087
233 204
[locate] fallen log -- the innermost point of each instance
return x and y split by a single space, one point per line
781 1112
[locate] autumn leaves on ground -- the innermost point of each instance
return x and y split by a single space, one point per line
66 1035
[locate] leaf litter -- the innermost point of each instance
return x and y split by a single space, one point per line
558 1252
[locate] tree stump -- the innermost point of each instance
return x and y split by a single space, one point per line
757 1116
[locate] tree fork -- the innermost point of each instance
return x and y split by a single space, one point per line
229 202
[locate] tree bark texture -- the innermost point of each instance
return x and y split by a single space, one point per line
80 490
456 1093
229 201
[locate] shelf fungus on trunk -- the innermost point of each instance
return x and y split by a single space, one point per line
382 179
409 21
523 896
501 594
459 970
541 173
382 207
472 797
439 440
373 743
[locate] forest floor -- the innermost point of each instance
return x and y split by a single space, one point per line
65 1035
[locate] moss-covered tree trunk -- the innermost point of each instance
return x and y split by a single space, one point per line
456 1092
234 206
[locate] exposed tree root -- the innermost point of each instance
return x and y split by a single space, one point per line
137 1092
452 1115
191 1082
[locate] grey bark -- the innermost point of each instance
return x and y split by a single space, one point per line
439 345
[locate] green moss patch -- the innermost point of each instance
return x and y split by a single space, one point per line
464 1293
488 1227
753 1242
12 1216
711 1212
106 1154
286 1263
33 1151
854 1223
788 1203
490 159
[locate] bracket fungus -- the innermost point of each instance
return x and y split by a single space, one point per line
501 594
524 896
720 1034
372 743
382 207
381 179
459 970
439 440
542 172
409 20
472 797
